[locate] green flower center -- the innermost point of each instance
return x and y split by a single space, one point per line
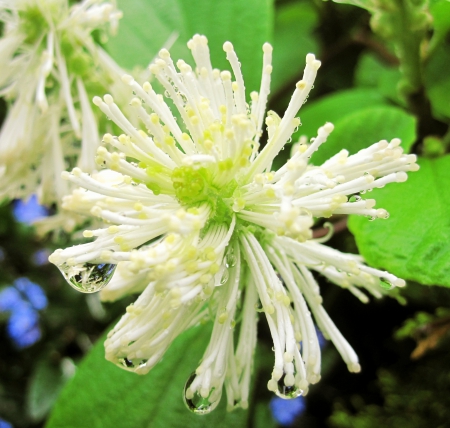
194 187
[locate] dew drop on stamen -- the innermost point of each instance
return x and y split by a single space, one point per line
287 392
354 198
88 277
196 403
230 258
386 284
225 277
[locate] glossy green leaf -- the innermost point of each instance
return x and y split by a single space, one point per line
148 24
414 243
361 129
294 24
102 395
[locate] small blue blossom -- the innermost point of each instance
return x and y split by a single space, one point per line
32 293
4 424
40 257
285 412
23 326
10 299
29 211
23 301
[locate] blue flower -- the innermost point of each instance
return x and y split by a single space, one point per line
4 424
32 293
23 326
10 299
285 412
29 211
23 301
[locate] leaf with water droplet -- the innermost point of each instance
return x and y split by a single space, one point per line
153 400
88 277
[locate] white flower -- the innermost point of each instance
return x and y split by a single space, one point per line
202 228
49 63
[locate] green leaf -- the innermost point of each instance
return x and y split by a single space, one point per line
414 243
437 83
363 128
44 388
440 11
102 395
293 39
333 107
148 24
371 72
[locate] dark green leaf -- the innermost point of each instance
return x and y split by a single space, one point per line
363 128
437 83
45 386
148 24
102 395
371 72
414 243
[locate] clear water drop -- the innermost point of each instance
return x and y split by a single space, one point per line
125 362
225 277
354 198
287 392
386 284
198 404
230 258
88 277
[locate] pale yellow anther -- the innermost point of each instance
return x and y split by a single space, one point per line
88 234
107 138
214 268
205 278
301 85
113 229
223 317
270 192
269 309
118 239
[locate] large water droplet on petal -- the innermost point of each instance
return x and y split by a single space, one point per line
287 392
198 404
88 277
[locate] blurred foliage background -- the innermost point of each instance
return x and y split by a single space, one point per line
384 74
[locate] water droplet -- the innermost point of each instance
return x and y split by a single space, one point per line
198 404
225 277
88 277
287 392
386 284
230 258
354 198
259 306
125 362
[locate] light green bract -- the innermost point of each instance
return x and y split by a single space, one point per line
203 228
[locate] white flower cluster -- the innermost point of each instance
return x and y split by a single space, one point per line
49 64
201 226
